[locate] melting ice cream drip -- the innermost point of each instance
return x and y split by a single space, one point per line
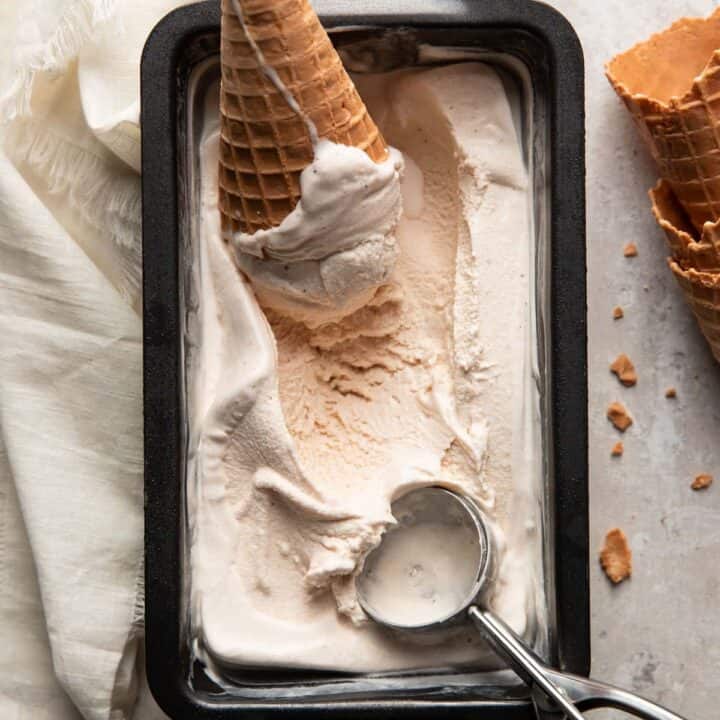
274 78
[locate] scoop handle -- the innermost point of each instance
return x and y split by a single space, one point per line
591 694
521 659
563 690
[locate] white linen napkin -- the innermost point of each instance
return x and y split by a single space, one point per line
71 592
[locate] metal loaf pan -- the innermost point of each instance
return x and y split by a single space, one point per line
514 33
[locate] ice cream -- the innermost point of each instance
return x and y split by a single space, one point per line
301 434
315 241
337 247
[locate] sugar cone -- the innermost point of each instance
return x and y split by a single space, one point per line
264 143
702 291
690 249
671 85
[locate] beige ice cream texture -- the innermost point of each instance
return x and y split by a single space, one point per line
304 435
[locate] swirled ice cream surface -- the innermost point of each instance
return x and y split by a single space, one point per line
303 429
337 247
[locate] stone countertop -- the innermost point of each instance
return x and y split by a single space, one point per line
656 633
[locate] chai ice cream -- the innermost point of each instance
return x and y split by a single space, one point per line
303 429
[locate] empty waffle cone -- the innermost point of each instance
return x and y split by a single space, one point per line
702 291
671 85
689 248
265 144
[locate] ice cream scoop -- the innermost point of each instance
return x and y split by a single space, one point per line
442 537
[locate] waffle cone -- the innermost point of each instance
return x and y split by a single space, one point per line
671 85
690 249
702 291
264 143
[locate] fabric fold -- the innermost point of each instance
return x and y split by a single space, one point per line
47 41
70 412
71 501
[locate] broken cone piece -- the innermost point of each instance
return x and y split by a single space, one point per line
625 370
618 416
701 482
616 556
630 250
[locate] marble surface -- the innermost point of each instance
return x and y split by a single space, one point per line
656 633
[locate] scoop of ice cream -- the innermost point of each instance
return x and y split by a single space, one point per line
331 253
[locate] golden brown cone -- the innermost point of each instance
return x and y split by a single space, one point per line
264 143
671 85
690 249
702 291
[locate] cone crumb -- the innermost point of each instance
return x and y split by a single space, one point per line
618 313
630 250
625 370
618 416
701 482
616 556
618 449
671 392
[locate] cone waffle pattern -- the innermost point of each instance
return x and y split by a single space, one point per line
690 250
694 261
684 138
702 291
264 143
671 85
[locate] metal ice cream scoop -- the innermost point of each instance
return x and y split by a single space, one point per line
434 568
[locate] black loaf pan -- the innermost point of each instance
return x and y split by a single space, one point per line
547 46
